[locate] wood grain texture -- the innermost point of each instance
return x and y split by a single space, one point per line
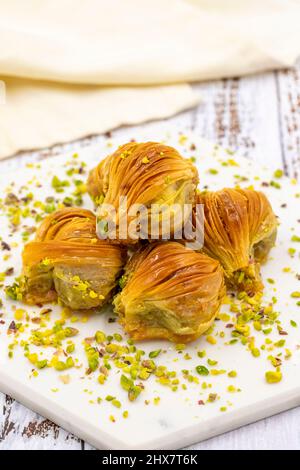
242 114
288 86
23 429
257 116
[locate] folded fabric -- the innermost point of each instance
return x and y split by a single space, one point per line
146 41
58 50
40 114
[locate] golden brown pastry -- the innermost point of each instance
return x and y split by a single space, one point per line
240 228
68 261
169 292
146 173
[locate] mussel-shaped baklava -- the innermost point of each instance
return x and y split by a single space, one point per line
240 228
151 175
67 261
169 292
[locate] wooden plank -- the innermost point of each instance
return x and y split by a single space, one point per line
242 114
21 428
288 88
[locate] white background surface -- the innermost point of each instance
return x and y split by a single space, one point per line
260 116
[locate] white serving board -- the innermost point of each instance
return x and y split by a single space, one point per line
178 420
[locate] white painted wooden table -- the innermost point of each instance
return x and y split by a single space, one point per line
260 117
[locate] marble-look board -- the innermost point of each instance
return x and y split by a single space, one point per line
179 418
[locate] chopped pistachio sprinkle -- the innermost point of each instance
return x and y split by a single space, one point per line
248 321
202 370
273 376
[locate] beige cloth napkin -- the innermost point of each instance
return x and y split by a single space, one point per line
39 114
127 42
